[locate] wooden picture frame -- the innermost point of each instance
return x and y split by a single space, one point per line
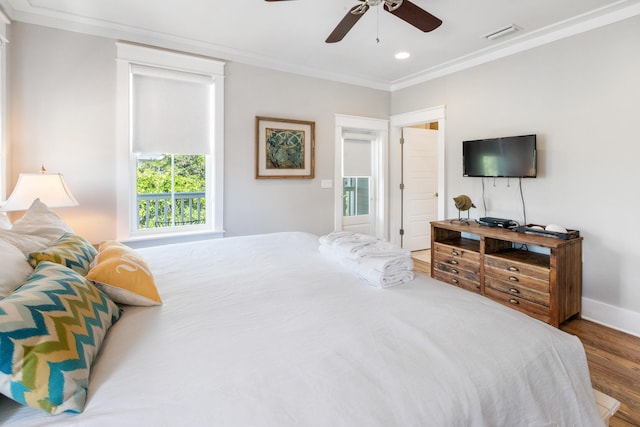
285 149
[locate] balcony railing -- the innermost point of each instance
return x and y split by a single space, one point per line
159 210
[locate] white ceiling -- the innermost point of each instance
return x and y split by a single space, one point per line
289 35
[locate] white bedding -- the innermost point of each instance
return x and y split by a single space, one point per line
264 331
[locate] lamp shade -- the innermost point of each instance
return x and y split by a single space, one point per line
50 188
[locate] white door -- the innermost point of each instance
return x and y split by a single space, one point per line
420 194
358 202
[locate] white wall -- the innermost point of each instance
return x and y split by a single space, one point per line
581 96
61 109
62 105
258 206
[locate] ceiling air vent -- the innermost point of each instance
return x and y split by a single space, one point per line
502 32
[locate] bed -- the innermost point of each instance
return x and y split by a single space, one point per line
266 331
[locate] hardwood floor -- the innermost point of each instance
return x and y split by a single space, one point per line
614 362
422 261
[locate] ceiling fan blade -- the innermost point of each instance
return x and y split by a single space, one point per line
416 16
345 25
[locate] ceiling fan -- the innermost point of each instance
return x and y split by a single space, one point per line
403 9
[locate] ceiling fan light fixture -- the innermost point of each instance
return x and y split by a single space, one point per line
392 4
502 32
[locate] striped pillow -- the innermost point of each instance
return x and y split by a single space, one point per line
71 250
51 329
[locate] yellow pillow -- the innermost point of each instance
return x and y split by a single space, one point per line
121 273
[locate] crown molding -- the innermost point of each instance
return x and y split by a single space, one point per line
49 18
26 12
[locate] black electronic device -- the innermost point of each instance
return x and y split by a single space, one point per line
508 157
490 221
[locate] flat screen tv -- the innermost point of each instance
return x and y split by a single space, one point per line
509 157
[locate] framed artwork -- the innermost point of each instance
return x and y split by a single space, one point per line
284 148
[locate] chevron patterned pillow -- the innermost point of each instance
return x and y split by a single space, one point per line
51 329
71 250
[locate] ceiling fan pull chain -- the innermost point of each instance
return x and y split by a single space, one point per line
378 24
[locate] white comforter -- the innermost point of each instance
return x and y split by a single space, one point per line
264 331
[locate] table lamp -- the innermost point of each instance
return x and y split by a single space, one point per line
50 188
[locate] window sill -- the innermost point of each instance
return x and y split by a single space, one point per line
142 241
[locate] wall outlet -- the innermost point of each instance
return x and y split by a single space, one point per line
326 183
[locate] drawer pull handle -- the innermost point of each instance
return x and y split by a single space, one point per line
514 301
514 291
455 280
512 268
454 271
513 278
455 253
454 262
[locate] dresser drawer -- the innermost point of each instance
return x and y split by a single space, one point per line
529 275
457 280
457 271
517 290
456 259
529 308
517 278
443 251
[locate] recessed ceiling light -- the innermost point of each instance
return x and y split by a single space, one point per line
402 55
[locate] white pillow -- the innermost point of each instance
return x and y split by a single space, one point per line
5 224
36 230
41 221
24 242
15 268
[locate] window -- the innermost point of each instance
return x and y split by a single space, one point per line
171 190
170 142
356 173
356 195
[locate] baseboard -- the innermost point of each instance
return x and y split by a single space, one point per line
611 316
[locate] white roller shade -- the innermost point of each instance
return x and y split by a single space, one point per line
356 157
171 111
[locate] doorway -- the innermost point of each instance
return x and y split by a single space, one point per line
361 175
412 209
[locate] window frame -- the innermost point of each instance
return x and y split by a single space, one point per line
127 217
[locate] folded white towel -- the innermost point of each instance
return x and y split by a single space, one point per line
350 239
381 279
398 269
331 237
387 263
381 249
347 246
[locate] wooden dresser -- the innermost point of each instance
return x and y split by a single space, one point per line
538 275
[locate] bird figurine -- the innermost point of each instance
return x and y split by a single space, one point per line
463 203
